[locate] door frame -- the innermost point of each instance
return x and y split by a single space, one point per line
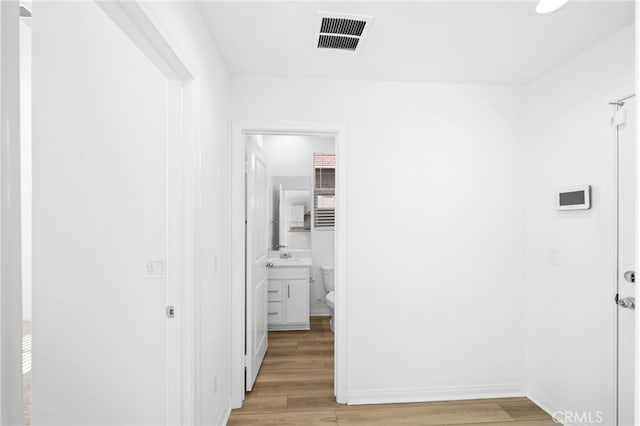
241 128
618 95
136 20
11 398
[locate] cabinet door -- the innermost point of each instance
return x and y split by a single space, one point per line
297 298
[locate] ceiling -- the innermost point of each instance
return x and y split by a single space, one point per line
430 41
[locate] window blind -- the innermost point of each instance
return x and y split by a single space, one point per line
324 192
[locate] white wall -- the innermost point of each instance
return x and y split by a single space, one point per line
99 209
435 231
290 155
88 185
570 309
185 30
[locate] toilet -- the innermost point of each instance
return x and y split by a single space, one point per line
328 280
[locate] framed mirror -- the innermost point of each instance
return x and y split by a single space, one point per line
291 205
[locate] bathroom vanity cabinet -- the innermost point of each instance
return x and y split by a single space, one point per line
288 306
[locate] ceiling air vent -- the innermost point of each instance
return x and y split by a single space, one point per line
337 31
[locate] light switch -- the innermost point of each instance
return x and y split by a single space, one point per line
554 256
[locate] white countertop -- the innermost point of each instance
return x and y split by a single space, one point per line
291 262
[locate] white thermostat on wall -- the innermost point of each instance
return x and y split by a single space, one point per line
575 198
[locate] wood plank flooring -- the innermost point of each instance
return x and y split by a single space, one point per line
295 388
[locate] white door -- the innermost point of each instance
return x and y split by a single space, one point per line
257 254
626 264
100 197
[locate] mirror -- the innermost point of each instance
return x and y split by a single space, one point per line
291 206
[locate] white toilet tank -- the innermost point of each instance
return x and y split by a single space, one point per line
328 277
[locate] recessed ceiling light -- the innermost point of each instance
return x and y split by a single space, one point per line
548 6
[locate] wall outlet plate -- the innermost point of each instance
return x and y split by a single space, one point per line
155 268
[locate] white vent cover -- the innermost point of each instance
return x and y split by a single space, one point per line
340 32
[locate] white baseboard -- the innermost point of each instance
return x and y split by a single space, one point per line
447 393
543 401
320 314
551 407
223 419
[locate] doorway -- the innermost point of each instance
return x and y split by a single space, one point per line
241 131
625 129
290 246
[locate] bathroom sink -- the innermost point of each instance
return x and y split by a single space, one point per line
293 261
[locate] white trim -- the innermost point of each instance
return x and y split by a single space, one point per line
616 95
239 129
438 393
191 291
543 401
11 404
175 244
237 265
342 277
637 118
136 20
552 408
322 313
225 413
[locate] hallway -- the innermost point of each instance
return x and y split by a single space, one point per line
433 172
295 387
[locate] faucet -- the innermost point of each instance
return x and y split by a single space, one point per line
285 255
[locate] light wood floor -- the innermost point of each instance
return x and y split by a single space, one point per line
295 387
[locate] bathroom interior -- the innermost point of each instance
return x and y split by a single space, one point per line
301 213
294 192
